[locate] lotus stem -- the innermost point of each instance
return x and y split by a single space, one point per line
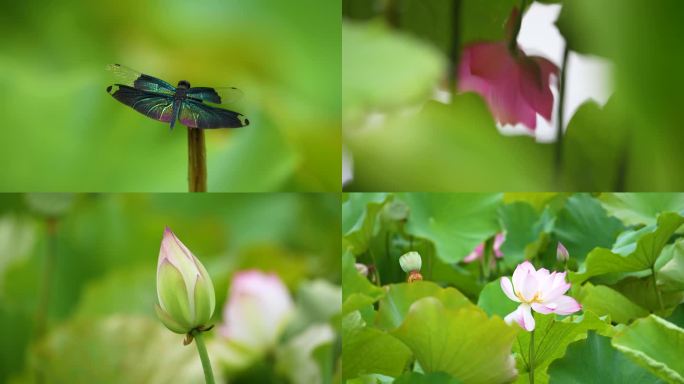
50 255
561 109
197 161
513 43
531 376
455 52
202 349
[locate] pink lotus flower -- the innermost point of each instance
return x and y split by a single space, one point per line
478 252
537 290
514 85
258 310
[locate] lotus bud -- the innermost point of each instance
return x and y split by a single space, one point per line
362 269
562 254
411 263
184 288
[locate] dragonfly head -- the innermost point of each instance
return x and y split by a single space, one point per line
183 84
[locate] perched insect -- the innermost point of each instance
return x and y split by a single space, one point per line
161 101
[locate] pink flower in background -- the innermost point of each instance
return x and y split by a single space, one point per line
478 252
537 290
515 86
257 311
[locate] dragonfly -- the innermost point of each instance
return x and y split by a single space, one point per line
159 100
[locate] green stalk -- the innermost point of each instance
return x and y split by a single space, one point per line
561 108
197 161
375 268
513 43
49 269
531 356
392 13
455 51
206 364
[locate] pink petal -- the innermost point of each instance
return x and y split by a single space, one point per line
558 280
507 288
475 254
522 316
507 104
498 242
530 286
528 319
566 305
466 80
490 61
520 274
534 84
552 294
541 308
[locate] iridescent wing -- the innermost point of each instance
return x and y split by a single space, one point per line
139 80
194 114
223 95
153 105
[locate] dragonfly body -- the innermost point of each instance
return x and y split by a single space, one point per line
161 101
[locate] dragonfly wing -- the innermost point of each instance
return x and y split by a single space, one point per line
222 95
194 114
153 105
139 80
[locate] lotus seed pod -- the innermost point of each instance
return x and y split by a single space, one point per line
410 262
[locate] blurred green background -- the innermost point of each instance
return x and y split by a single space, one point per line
397 52
63 132
100 320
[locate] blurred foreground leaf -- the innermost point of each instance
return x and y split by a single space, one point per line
656 345
394 307
115 349
446 147
384 70
368 350
462 342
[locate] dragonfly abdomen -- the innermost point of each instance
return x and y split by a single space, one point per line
176 111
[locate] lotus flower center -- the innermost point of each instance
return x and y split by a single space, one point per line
535 299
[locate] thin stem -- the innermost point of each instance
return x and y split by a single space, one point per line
561 109
531 363
197 161
392 13
455 52
206 364
655 286
375 268
487 255
48 272
513 43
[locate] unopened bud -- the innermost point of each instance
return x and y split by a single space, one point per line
562 254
